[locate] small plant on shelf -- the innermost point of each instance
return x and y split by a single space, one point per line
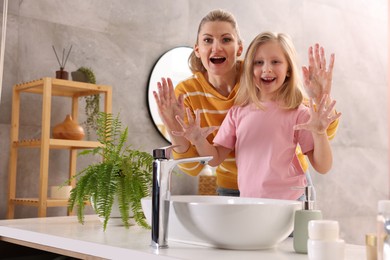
124 174
92 102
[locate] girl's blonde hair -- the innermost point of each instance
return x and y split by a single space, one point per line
219 15
289 93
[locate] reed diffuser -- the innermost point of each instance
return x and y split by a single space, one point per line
62 73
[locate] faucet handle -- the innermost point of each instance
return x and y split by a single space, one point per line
163 152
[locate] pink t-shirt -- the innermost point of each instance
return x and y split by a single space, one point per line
265 144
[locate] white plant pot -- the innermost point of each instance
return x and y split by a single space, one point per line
115 216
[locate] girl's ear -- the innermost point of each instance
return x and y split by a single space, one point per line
288 73
196 50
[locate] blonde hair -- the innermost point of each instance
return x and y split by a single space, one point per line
290 92
218 15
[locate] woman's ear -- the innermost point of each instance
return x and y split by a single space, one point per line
240 49
196 50
288 74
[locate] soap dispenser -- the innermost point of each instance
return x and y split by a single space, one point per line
301 221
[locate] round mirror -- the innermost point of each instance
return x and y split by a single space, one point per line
172 64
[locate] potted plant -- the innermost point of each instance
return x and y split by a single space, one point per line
124 174
92 102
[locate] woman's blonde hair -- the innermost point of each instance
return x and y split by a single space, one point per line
290 93
218 15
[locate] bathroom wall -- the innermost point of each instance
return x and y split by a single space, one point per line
121 40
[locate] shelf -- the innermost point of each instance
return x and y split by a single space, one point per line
62 87
49 202
48 87
35 202
58 144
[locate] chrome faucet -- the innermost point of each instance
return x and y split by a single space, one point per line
162 170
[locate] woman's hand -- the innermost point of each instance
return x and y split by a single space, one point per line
317 78
192 131
320 118
168 106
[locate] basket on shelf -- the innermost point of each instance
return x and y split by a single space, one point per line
207 185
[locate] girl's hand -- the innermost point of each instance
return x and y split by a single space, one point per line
318 79
192 131
320 118
168 106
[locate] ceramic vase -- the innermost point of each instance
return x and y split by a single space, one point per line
68 129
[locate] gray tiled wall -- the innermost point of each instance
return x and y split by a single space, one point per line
121 40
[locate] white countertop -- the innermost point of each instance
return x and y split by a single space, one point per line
117 242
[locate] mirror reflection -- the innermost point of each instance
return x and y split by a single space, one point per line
172 64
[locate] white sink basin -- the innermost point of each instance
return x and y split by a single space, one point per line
228 222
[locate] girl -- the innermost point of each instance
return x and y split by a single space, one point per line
267 123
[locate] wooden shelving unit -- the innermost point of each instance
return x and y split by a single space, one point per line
48 87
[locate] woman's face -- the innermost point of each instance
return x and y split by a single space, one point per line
270 69
218 47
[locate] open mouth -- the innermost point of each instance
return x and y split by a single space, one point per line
217 60
268 80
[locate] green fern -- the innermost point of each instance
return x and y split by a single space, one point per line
124 173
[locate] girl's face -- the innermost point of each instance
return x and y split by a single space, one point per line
270 69
218 47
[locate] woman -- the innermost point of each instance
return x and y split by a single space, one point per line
213 88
